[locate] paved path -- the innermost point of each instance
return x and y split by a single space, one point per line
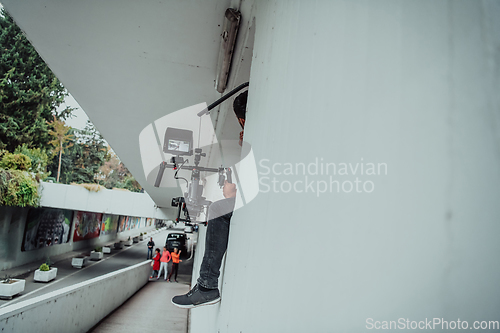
149 310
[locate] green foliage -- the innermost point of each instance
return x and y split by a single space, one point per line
15 162
29 92
39 160
114 174
84 154
6 279
18 188
98 249
44 268
140 234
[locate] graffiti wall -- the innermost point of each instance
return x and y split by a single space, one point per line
123 223
87 225
135 222
109 224
46 227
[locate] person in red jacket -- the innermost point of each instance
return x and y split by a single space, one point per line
156 263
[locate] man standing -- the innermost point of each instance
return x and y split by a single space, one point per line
151 245
206 291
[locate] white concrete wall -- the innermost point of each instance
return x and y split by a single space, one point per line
105 201
413 84
76 308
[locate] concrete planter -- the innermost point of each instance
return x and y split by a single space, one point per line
45 276
96 255
119 245
7 290
106 249
141 238
129 242
78 262
135 239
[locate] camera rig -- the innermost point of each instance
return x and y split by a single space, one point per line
179 142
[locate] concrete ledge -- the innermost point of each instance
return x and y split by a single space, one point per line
83 305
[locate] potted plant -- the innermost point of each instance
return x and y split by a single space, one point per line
96 254
136 239
141 236
45 273
129 242
106 249
10 287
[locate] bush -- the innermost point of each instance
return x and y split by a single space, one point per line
98 249
90 187
18 188
44 268
140 234
39 160
15 162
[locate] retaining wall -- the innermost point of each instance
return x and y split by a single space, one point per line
76 308
13 220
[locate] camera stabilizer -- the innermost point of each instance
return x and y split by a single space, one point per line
179 142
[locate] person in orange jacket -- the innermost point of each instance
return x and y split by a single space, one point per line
175 264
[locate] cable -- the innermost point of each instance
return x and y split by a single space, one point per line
199 134
223 98
175 175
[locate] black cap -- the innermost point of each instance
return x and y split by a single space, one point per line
240 105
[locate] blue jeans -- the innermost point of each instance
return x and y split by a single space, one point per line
219 217
150 253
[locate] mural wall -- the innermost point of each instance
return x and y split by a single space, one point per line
52 226
109 224
123 223
87 225
46 227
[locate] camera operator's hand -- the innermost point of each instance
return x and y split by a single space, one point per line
229 190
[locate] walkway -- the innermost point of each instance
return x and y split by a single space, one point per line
149 310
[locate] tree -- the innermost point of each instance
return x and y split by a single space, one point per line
114 174
85 154
29 91
60 138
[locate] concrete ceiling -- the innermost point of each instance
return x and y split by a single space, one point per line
129 63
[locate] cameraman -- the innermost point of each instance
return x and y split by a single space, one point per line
206 291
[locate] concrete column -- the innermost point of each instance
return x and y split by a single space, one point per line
411 87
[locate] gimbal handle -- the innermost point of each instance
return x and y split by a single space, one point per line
164 165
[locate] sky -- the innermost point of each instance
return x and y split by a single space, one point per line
80 118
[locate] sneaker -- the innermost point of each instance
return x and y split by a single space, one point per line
195 297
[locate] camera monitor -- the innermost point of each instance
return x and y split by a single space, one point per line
178 141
